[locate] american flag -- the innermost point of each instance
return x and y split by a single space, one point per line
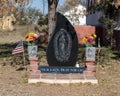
19 48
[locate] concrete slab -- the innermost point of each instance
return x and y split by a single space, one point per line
63 78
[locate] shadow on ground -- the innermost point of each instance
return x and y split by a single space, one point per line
116 56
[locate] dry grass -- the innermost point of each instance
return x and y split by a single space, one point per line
16 35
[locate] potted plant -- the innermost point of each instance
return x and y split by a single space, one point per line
89 42
32 48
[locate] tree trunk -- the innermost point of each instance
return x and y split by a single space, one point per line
52 5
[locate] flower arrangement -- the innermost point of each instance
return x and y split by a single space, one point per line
89 40
31 37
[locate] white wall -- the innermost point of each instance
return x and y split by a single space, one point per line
76 18
82 17
82 20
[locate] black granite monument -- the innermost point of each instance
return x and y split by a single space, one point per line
63 45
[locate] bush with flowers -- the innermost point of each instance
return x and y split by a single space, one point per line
31 37
89 40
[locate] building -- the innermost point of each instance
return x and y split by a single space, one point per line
92 17
6 23
82 15
86 20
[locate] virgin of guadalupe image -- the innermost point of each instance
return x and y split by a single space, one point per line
90 53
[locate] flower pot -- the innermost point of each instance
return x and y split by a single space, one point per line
32 51
90 53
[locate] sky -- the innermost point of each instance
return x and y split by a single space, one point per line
38 4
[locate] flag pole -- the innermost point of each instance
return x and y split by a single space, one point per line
23 57
99 48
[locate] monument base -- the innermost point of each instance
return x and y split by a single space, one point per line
54 78
59 75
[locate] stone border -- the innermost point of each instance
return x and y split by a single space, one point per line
62 81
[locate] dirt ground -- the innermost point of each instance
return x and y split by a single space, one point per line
14 83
